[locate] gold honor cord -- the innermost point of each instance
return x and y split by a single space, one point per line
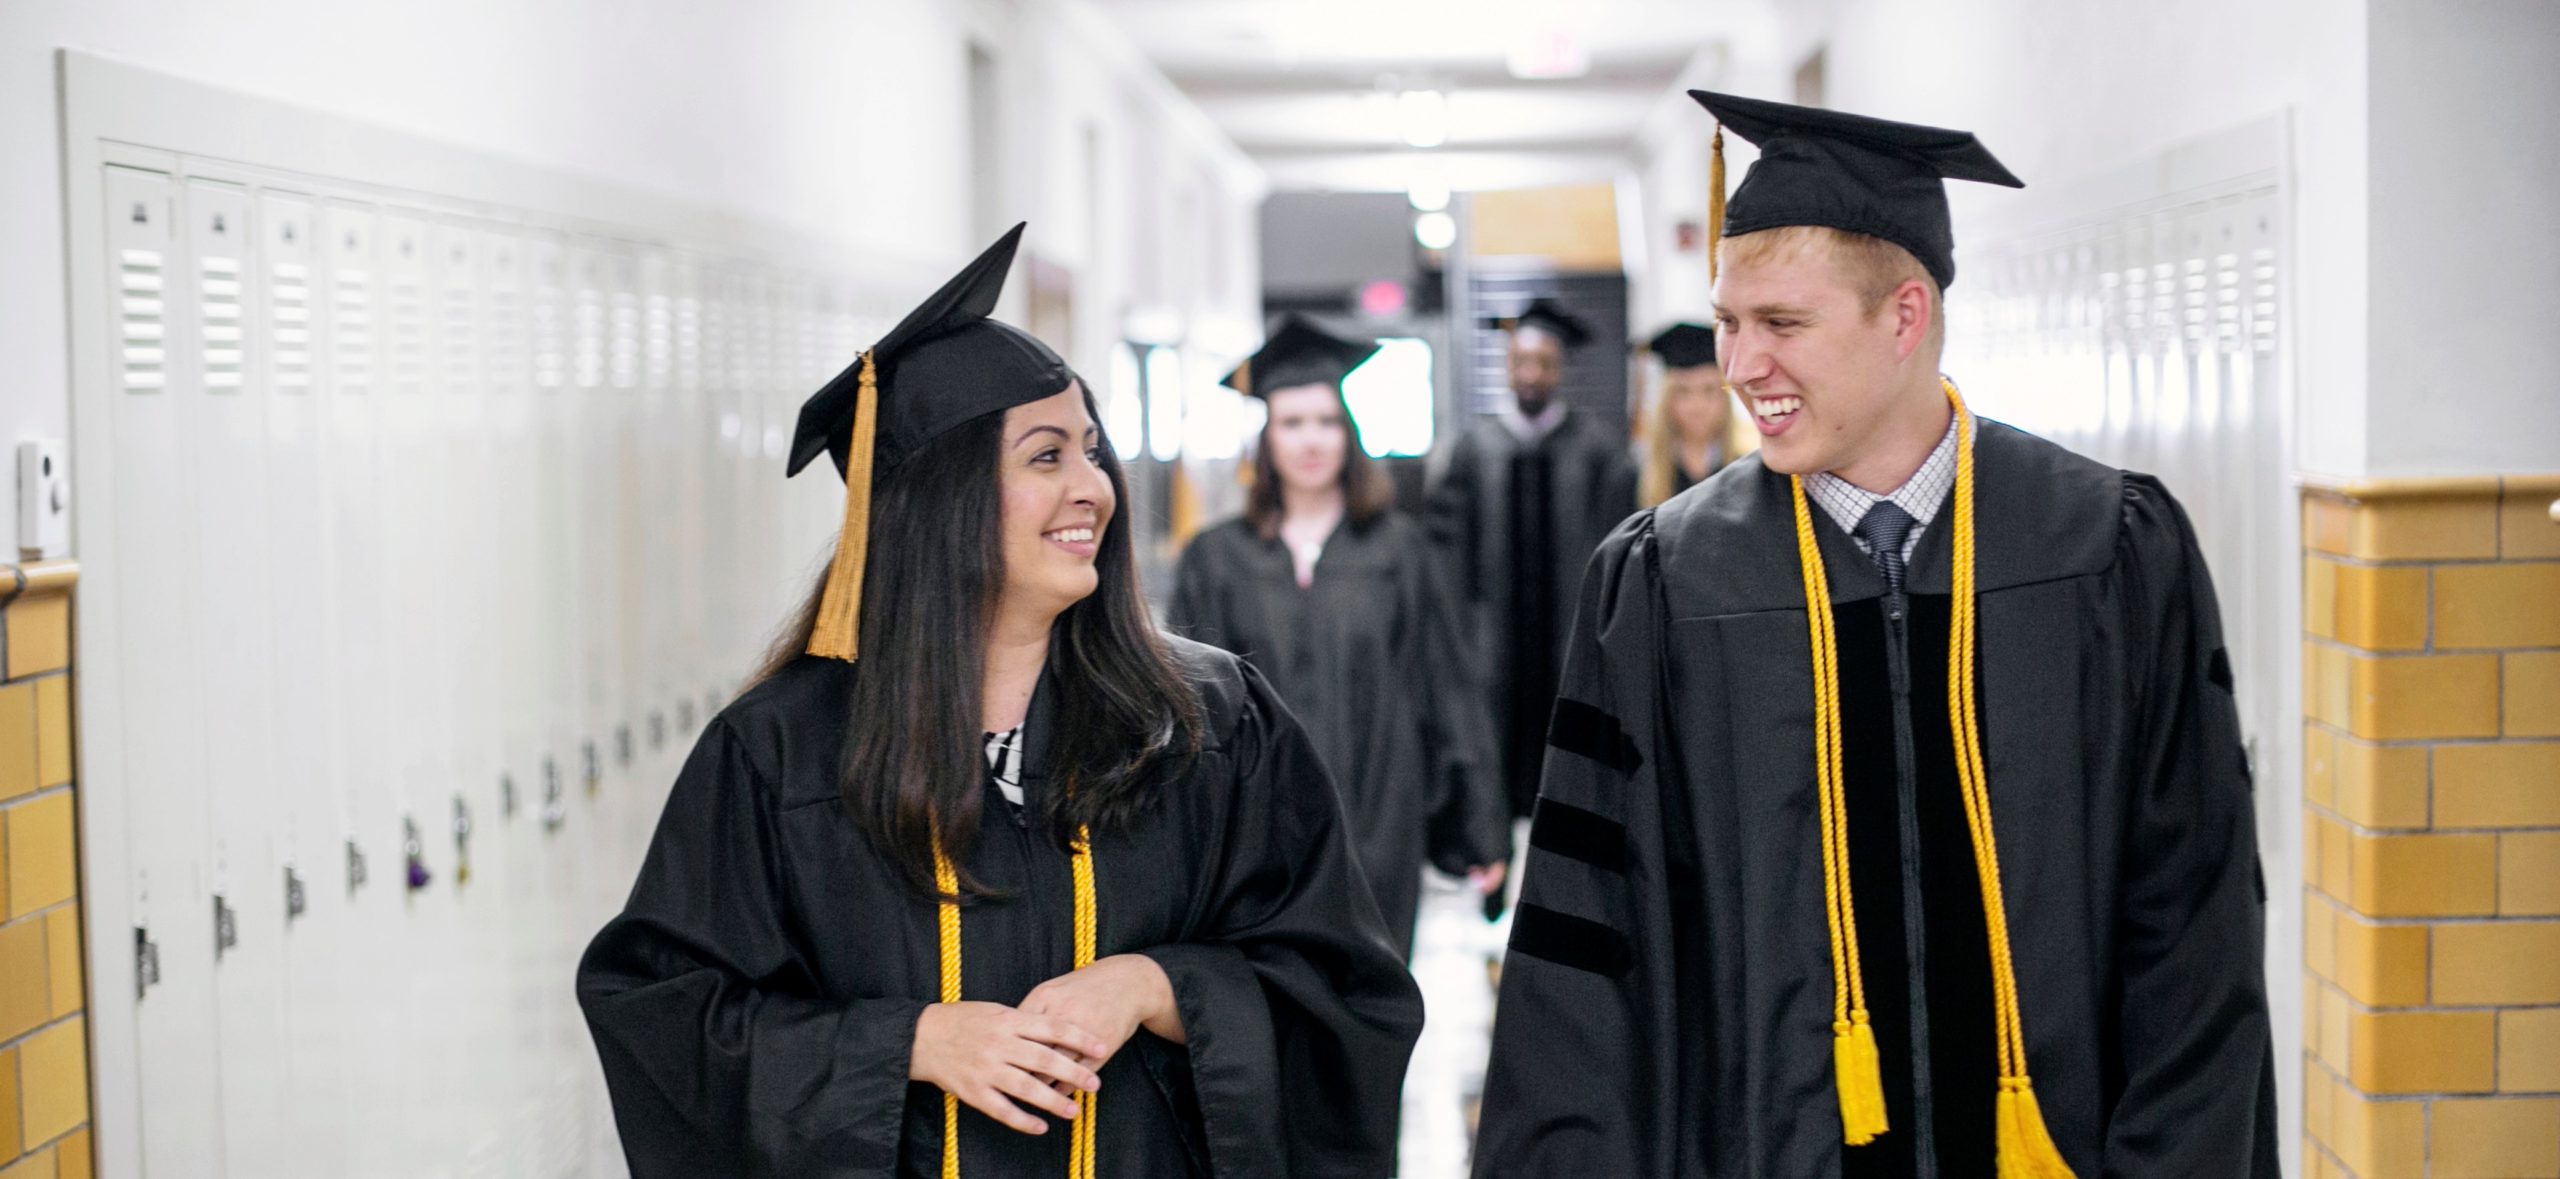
1088 920
2026 1149
1856 1070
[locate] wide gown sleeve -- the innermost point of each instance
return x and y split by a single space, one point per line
1581 1078
2198 1070
1452 517
720 1055
1469 821
1299 1015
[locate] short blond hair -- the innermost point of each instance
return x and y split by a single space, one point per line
1874 268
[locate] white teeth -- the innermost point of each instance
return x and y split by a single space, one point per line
1073 536
1778 407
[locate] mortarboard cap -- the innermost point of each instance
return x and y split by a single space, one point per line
1548 316
1299 352
946 363
1684 345
1847 172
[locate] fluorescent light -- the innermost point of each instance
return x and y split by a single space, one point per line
1391 397
1547 54
1436 231
1428 196
1424 117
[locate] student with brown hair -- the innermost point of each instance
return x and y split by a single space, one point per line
1334 597
1686 417
985 877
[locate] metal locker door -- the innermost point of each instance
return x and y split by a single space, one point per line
303 710
645 626
765 350
366 619
558 348
590 537
433 956
159 650
231 587
720 394
617 525
694 435
507 844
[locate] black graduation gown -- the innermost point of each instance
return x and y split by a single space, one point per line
1515 522
1670 952
755 1003
1369 659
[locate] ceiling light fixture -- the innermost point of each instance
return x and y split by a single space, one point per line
1423 116
1436 231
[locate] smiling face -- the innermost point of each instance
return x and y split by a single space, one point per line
1831 375
1308 437
1057 503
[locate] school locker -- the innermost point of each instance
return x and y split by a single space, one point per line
230 585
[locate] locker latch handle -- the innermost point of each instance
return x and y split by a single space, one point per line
413 848
226 926
146 962
553 812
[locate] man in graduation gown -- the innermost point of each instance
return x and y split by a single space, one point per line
1525 498
1753 935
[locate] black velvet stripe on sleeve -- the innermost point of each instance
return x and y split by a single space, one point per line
1577 834
1580 729
1567 940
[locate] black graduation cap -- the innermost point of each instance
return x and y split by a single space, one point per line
1852 173
944 364
1299 352
1684 345
1547 316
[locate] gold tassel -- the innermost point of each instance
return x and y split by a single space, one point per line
1858 1073
2026 1148
1715 199
838 634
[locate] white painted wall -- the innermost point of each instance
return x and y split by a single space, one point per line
2465 238
847 122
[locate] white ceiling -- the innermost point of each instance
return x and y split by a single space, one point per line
1307 87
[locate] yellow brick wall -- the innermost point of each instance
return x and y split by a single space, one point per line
44 1039
2431 849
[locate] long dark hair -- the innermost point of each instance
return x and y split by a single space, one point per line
913 760
1367 493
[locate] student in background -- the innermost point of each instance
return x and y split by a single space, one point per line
1334 597
1525 498
1685 420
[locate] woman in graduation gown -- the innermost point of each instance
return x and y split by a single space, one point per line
1333 597
1684 429
1130 941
